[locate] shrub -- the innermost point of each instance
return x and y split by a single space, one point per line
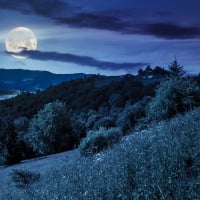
50 130
132 114
106 122
22 178
174 95
91 118
98 140
103 118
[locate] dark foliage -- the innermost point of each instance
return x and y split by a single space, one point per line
79 95
131 115
174 95
157 71
175 69
9 145
106 122
98 140
50 130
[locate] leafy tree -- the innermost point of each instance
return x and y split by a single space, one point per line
158 71
140 72
174 95
148 69
50 130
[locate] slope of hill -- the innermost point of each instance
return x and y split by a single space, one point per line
43 165
81 95
28 80
126 148
161 162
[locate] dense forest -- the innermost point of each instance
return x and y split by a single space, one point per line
87 93
145 128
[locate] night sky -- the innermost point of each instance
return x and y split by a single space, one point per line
110 37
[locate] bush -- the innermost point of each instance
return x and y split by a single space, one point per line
174 95
106 122
50 130
99 140
91 118
22 178
132 114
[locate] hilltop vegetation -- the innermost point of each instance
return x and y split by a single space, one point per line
62 116
137 137
80 95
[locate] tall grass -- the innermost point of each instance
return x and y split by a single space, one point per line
159 163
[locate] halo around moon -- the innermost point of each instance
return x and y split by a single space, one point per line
20 39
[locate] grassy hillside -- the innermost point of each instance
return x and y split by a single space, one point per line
127 137
161 162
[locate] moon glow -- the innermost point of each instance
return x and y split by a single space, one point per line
20 39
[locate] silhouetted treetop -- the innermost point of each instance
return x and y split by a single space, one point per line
175 69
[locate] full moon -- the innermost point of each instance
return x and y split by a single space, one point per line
20 39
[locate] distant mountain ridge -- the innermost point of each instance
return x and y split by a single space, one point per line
28 80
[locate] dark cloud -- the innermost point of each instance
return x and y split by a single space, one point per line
164 30
47 8
93 21
80 60
63 13
170 31
157 29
